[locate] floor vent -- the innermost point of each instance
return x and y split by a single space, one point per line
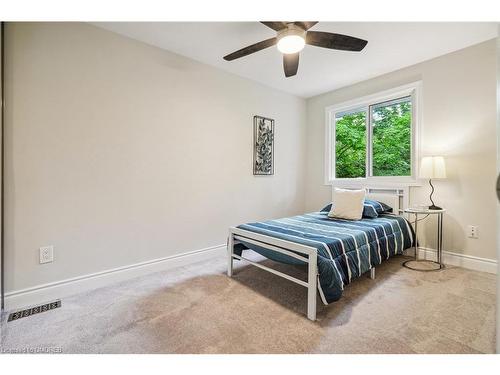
34 310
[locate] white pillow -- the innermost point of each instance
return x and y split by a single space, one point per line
347 204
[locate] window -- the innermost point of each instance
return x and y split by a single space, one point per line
350 144
391 137
373 138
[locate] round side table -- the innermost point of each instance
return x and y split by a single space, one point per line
438 264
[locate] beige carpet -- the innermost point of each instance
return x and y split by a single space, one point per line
197 309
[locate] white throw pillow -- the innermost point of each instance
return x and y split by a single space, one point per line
347 204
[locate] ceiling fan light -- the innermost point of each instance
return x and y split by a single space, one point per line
291 44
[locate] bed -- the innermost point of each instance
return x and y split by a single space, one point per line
335 251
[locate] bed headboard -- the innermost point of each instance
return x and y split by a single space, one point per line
397 198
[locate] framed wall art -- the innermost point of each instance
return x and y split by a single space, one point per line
263 154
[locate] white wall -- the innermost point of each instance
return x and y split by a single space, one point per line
1 155
498 173
119 152
459 122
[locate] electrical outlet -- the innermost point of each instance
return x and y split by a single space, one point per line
46 254
473 231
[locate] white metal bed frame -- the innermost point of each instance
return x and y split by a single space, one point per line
394 197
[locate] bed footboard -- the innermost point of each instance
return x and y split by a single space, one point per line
284 247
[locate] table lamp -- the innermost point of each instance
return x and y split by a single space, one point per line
432 167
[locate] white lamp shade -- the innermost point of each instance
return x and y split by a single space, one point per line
432 167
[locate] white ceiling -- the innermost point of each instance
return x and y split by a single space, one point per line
391 46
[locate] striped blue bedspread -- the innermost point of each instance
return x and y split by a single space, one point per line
346 249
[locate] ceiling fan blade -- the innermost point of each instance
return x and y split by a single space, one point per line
335 41
251 49
290 64
306 25
275 25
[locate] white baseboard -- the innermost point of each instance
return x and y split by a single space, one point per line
459 260
64 288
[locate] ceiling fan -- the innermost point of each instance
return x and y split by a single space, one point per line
292 37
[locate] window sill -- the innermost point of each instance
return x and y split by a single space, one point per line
373 182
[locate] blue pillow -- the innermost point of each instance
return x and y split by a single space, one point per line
379 207
371 208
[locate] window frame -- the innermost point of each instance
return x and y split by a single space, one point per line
414 90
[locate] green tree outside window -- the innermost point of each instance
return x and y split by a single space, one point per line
350 145
391 141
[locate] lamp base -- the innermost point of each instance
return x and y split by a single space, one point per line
434 207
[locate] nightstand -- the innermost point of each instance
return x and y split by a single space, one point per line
426 212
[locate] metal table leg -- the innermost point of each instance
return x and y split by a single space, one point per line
439 255
416 236
440 241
